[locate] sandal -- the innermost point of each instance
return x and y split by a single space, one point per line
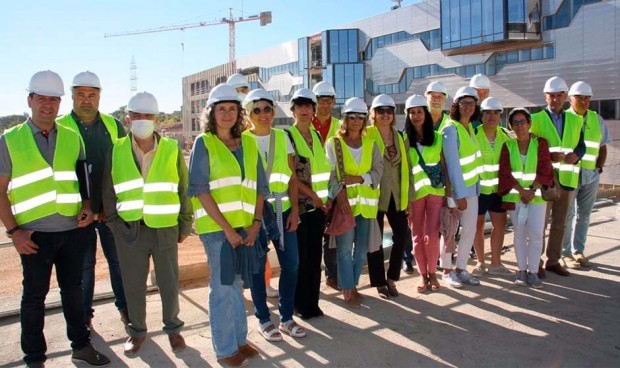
270 332
433 282
422 285
292 329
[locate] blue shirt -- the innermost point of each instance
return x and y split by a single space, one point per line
557 120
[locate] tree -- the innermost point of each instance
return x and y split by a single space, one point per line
11 120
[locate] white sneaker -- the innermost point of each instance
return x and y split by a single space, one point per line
452 280
478 270
466 278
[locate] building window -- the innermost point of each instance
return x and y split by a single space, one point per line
608 109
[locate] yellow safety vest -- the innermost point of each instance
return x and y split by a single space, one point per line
235 196
524 174
37 190
490 159
592 137
108 121
470 156
444 120
432 156
320 167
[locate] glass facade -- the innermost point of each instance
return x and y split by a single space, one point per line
565 14
342 65
431 40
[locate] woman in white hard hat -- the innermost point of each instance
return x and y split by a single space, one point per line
228 185
427 196
463 163
491 138
394 196
276 153
363 167
524 168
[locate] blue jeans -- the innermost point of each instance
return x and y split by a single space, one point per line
586 195
289 263
351 259
88 268
229 324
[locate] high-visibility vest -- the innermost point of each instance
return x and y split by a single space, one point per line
281 171
235 196
432 156
373 133
37 190
470 156
108 121
363 199
154 200
490 159
524 174
444 120
320 167
334 126
592 137
543 127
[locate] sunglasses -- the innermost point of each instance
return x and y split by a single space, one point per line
356 116
385 110
519 122
266 110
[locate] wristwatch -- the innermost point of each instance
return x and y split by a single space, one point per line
9 233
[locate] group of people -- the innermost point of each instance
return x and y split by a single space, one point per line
250 185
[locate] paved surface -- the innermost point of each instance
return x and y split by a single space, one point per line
572 322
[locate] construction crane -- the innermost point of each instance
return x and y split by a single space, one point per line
263 17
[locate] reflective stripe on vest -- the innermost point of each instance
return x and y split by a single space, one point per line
524 174
108 121
320 167
490 159
363 198
156 200
373 133
235 197
592 137
37 190
432 157
543 127
469 153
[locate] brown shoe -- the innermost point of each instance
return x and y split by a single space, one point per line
249 351
541 272
177 343
383 291
124 316
237 360
558 269
332 283
391 285
583 260
571 262
133 345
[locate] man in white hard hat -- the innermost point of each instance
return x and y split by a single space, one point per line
240 83
145 199
596 137
45 206
563 131
436 94
99 131
482 85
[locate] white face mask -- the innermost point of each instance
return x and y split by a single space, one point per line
241 96
142 128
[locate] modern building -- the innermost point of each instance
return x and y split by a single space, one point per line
517 43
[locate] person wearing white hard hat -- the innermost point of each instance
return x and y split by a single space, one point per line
491 138
596 137
228 187
148 210
394 196
99 131
426 197
525 168
240 83
563 130
45 212
482 85
312 170
436 94
363 167
464 163
281 210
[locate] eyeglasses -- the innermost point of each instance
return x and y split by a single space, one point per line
467 103
519 122
356 116
385 110
266 110
324 100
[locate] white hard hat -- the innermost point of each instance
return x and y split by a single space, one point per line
355 104
491 104
480 81
222 93
46 83
465 92
238 80
256 95
303 93
382 100
436 87
415 101
144 103
580 89
86 79
554 85
324 89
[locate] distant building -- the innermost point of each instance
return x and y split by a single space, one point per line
517 43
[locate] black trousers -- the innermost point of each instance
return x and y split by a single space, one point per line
376 267
310 244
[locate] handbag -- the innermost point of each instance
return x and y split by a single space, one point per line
337 222
434 173
550 193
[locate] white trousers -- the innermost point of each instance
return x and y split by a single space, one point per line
469 217
528 237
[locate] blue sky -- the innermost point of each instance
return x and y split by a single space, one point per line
68 37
